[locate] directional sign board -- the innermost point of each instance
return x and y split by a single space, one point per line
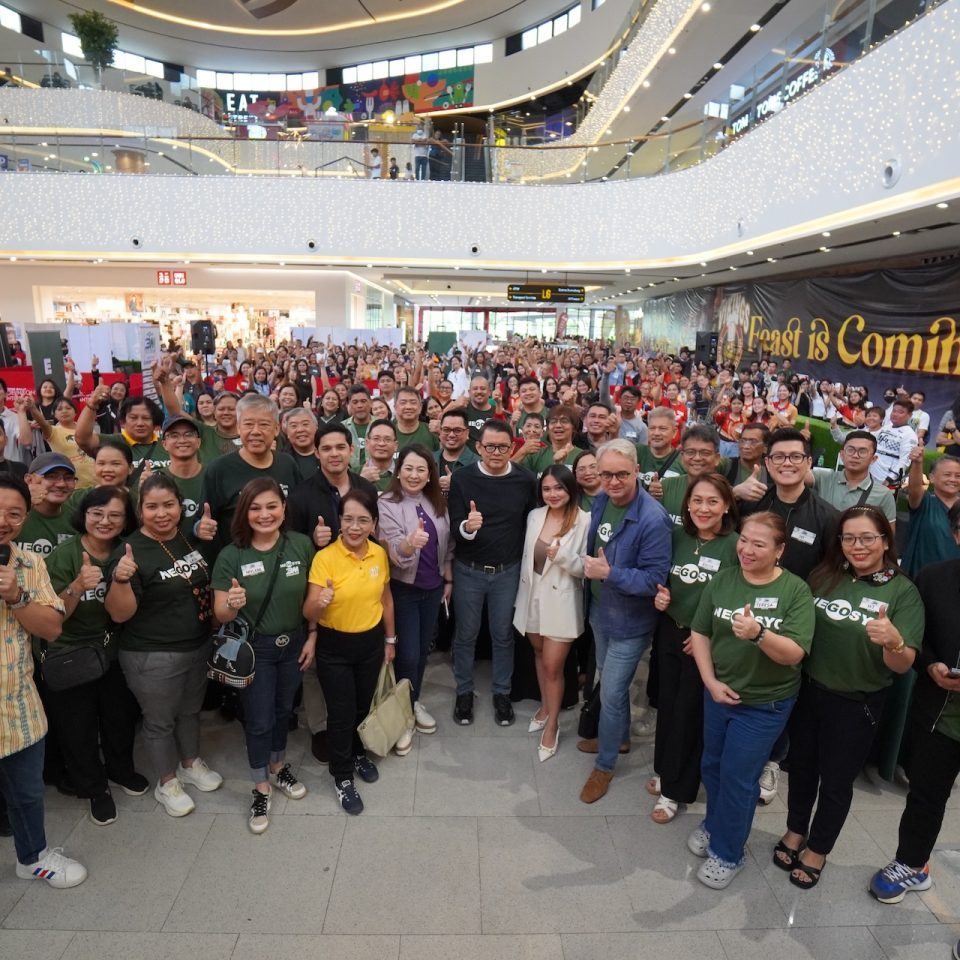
544 293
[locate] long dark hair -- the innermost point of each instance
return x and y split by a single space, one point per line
431 492
564 476
240 529
826 576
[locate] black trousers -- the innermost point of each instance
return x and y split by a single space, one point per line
679 740
96 716
348 665
830 740
933 767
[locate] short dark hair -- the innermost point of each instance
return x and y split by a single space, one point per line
524 380
787 435
532 416
599 403
457 412
386 375
156 414
411 390
860 435
366 500
100 497
382 422
158 481
494 426
355 389
108 444
240 529
700 431
906 404
334 426
632 390
731 516
20 486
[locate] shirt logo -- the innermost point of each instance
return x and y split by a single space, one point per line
375 571
723 613
291 568
690 573
605 531
190 508
841 610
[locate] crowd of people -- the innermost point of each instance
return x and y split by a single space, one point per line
337 502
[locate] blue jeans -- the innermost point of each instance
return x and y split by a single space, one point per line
21 780
470 589
421 168
268 701
617 659
737 741
415 613
729 448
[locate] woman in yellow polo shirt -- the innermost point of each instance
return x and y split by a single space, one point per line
349 598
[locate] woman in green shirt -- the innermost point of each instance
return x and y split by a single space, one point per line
588 478
262 578
869 627
753 626
101 714
704 544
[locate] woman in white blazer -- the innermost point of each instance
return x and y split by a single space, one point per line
549 607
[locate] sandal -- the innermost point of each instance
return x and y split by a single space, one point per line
664 810
809 876
790 856
653 786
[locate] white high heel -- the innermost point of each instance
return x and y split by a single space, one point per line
535 724
545 753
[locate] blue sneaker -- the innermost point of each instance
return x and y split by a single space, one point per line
348 797
896 880
366 768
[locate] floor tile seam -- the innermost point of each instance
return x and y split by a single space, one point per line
476 821
186 873
883 953
66 946
333 877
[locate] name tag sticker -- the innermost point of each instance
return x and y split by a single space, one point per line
710 563
804 536
252 569
872 605
766 603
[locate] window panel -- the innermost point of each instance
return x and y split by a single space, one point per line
483 53
9 19
529 38
573 16
560 25
71 45
364 72
465 57
412 64
429 61
380 69
396 68
544 32
311 80
448 59
206 79
154 68
349 74
224 81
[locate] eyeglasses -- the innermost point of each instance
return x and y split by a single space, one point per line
453 429
495 447
698 454
356 521
867 539
60 478
13 516
181 435
857 452
750 441
621 476
98 516
781 458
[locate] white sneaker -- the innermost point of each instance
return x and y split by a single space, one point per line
287 783
644 727
769 781
425 723
199 776
404 744
174 798
59 871
259 810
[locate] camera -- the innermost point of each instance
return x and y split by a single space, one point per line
136 241
311 244
474 249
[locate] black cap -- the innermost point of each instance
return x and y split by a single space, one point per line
173 421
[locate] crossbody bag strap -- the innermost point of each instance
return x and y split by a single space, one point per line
270 585
668 463
864 494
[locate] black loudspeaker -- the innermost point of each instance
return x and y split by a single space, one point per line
706 347
203 335
6 347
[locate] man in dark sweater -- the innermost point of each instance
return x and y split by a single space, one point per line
489 502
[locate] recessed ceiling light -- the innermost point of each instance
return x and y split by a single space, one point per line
896 233
688 96
718 66
825 249
646 83
664 119
771 260
672 51
703 263
705 7
626 109
755 28
942 206
826 233
733 268
13 259
749 253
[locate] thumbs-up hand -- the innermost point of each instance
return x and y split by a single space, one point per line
445 479
326 595
596 568
655 487
753 488
419 538
89 576
206 528
146 472
38 488
322 534
662 600
370 471
236 595
474 519
126 566
745 625
553 549
882 632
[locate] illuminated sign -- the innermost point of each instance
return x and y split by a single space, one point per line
171 278
544 293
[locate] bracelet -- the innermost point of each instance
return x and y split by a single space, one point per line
391 640
448 581
898 648
116 579
69 592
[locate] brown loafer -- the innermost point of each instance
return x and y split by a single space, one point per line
593 746
596 786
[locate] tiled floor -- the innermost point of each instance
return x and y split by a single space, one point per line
469 849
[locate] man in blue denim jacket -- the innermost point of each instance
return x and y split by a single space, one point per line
628 554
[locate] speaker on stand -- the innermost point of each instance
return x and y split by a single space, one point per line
706 352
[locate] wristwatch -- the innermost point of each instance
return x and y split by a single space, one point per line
391 640
756 640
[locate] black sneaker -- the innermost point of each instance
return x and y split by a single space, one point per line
463 709
366 768
503 709
132 784
348 796
103 810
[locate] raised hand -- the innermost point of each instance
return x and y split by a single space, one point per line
322 534
882 632
419 538
745 625
445 479
370 471
38 488
753 488
90 574
236 595
206 528
553 549
326 595
126 566
662 600
655 487
146 472
596 568
99 396
474 519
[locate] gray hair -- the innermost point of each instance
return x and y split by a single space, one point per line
257 403
288 415
665 413
624 447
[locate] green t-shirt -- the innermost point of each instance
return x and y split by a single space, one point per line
214 444
383 481
421 435
173 611
89 622
842 657
784 606
694 564
40 534
609 522
586 500
649 464
191 490
540 461
141 452
254 569
674 490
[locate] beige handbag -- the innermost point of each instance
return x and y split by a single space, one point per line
391 713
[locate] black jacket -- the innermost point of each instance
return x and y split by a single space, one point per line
811 522
315 497
939 586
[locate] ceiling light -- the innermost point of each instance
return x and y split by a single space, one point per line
771 260
13 259
896 233
609 132
94 154
824 249
672 51
942 206
646 83
749 253
703 263
664 119
626 109
718 66
733 268
688 96
826 233
755 28
705 7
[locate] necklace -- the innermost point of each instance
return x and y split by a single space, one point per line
180 567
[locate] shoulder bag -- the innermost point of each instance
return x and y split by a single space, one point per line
66 665
391 713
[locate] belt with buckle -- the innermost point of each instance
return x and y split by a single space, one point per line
489 568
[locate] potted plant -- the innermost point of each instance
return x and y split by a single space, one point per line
98 39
